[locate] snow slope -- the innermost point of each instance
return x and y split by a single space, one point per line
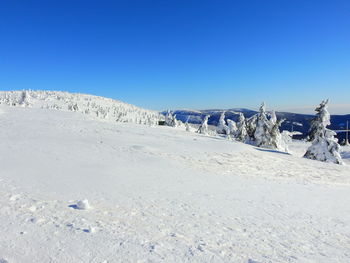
98 107
159 194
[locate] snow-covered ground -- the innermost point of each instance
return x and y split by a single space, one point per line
159 194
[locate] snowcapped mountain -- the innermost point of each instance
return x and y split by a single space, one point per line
99 107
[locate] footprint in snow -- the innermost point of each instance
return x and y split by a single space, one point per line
89 230
35 220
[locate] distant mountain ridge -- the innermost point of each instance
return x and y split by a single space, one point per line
293 121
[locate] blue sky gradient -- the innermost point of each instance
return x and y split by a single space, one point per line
181 54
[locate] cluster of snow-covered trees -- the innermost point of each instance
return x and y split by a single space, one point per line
170 120
99 107
263 130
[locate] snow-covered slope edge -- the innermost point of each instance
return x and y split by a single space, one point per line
100 107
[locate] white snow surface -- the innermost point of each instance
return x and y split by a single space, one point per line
160 194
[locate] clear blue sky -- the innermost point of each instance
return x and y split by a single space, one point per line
180 54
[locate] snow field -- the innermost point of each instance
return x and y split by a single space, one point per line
160 194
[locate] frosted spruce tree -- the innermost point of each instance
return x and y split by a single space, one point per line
277 140
222 127
24 98
267 133
241 134
203 128
170 119
273 117
313 129
73 107
324 147
251 126
175 122
262 136
232 128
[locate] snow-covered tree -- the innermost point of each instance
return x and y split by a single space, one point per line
232 128
313 129
267 133
262 136
277 140
241 134
187 125
222 128
24 98
203 128
175 122
324 147
73 107
273 117
170 119
251 126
